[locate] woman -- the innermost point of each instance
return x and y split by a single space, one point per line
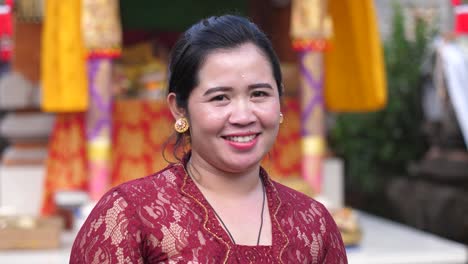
217 205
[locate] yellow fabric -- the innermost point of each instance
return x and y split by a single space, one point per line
63 58
354 67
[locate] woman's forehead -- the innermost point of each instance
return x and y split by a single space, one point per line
242 61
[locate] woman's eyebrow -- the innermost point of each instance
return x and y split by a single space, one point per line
260 85
217 89
228 88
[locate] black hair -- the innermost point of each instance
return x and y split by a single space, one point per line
201 39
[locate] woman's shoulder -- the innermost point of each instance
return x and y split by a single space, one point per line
310 217
126 210
296 200
166 180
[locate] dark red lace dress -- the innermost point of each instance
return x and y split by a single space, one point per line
164 218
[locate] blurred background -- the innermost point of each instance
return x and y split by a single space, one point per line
375 106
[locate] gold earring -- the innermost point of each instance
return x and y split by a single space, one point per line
281 118
181 125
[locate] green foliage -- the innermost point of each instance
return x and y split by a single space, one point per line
380 144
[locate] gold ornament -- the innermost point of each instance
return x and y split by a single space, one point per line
181 125
281 118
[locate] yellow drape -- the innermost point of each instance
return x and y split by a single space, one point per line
63 58
355 76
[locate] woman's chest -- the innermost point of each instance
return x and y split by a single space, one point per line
187 234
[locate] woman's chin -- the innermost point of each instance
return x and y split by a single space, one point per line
242 165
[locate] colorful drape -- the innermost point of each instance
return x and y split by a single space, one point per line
66 166
63 65
354 66
99 126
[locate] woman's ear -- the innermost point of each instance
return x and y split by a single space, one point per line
177 112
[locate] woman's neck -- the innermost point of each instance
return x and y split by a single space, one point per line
227 184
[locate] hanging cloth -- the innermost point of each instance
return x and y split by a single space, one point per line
455 66
63 64
354 66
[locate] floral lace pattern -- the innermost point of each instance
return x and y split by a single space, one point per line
164 218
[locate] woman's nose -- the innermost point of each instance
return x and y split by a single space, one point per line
242 113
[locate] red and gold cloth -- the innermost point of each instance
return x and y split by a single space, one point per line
66 166
140 129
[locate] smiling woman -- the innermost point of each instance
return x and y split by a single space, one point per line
216 204
233 110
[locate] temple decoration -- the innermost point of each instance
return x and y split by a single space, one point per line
341 66
81 38
310 30
98 125
102 37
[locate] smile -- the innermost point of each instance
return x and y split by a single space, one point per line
241 139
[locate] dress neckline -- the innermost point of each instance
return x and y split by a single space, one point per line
213 226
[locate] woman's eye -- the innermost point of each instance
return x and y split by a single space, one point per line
259 94
220 97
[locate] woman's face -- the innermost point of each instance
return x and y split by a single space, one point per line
234 111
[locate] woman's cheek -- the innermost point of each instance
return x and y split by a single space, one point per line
269 113
214 118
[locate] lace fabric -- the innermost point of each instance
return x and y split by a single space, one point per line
164 218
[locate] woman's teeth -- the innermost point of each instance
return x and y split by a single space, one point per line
243 139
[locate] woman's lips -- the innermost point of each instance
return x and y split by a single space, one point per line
242 142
